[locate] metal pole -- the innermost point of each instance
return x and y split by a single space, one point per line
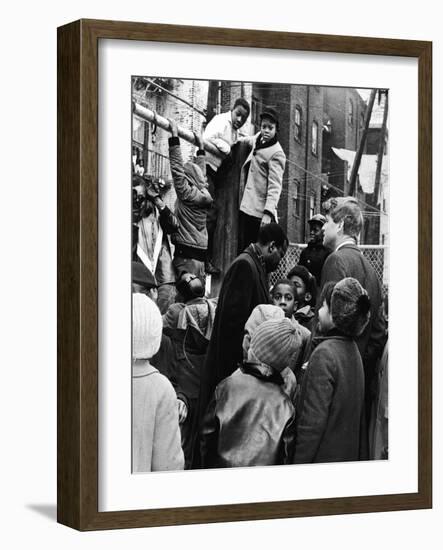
203 114
359 154
163 123
381 148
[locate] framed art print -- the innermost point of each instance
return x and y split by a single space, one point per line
203 174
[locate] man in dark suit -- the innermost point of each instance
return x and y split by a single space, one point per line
245 286
344 221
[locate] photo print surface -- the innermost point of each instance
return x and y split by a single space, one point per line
260 250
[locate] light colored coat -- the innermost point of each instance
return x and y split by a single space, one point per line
260 190
156 442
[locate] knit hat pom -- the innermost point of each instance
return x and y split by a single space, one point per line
275 343
350 307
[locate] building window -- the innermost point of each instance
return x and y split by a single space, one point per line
296 199
362 121
138 130
255 113
350 113
314 138
311 206
297 123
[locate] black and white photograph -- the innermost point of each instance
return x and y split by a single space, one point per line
260 273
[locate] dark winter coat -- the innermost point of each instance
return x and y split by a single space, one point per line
313 258
348 261
330 411
249 422
244 286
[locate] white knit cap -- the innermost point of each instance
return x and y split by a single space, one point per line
147 327
261 313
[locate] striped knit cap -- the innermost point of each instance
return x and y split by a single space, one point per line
275 343
260 314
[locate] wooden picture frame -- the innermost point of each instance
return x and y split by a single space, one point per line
77 456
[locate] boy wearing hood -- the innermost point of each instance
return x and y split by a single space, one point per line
331 416
193 202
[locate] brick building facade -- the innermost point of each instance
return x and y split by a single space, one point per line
313 120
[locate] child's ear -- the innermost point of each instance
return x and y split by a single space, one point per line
308 297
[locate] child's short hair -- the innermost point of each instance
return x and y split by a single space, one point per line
241 101
348 210
309 280
284 282
272 232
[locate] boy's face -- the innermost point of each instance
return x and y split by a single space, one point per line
325 318
239 116
283 296
300 288
268 129
315 232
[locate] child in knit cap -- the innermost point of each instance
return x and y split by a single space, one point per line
250 420
155 430
284 295
331 423
260 314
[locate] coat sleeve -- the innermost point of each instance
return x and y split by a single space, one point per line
214 134
287 442
201 161
275 181
209 435
333 270
167 453
377 337
315 400
238 301
168 221
185 191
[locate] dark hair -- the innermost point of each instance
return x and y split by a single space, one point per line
348 210
326 293
307 277
284 282
241 102
272 232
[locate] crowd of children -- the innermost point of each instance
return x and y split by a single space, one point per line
296 390
290 400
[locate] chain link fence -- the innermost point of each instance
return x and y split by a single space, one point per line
375 254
